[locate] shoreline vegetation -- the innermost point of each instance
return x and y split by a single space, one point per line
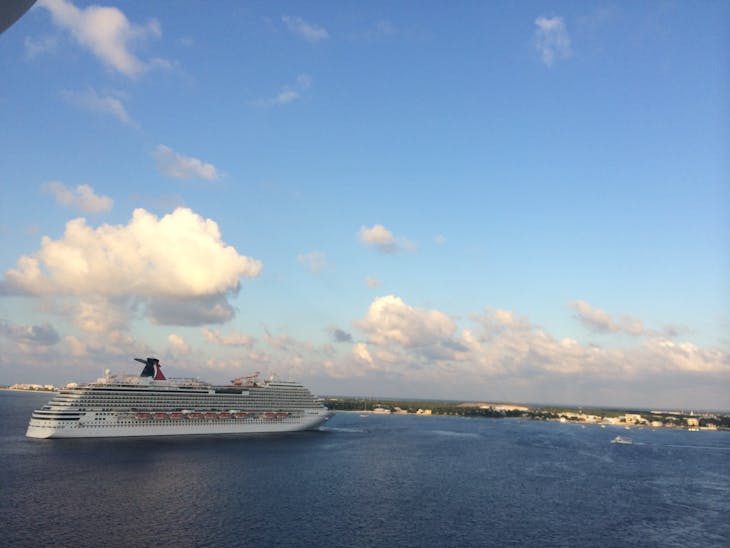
628 418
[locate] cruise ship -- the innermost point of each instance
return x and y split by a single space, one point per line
152 405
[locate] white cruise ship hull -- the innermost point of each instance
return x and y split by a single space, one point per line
183 427
131 406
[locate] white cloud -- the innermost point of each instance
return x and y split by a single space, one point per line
177 166
308 31
288 94
105 104
177 267
82 198
551 39
178 344
231 339
107 33
600 321
382 239
390 320
314 261
361 353
439 239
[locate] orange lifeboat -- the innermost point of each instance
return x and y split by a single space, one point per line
211 415
161 416
177 416
195 415
142 416
225 415
241 415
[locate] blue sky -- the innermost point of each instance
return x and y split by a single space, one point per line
524 202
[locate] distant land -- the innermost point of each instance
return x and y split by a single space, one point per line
628 418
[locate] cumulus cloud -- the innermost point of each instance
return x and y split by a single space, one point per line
178 344
177 166
406 342
104 104
177 267
231 339
390 320
44 335
308 31
551 39
600 321
361 353
314 261
288 94
382 239
107 34
82 198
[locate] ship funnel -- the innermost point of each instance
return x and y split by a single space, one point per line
149 367
159 376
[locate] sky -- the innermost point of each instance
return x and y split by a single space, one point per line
490 201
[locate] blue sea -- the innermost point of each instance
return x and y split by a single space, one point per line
367 481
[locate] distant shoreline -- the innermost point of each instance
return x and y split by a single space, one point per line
618 418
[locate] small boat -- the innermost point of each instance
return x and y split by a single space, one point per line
622 440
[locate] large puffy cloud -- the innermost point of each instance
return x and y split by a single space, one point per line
179 255
499 345
390 320
107 33
177 266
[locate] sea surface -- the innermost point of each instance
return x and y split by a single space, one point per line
367 481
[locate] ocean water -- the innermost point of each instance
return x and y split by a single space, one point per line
373 481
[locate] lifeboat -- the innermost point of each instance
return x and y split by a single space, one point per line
142 416
225 415
269 415
211 415
195 415
161 416
241 415
282 415
177 416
